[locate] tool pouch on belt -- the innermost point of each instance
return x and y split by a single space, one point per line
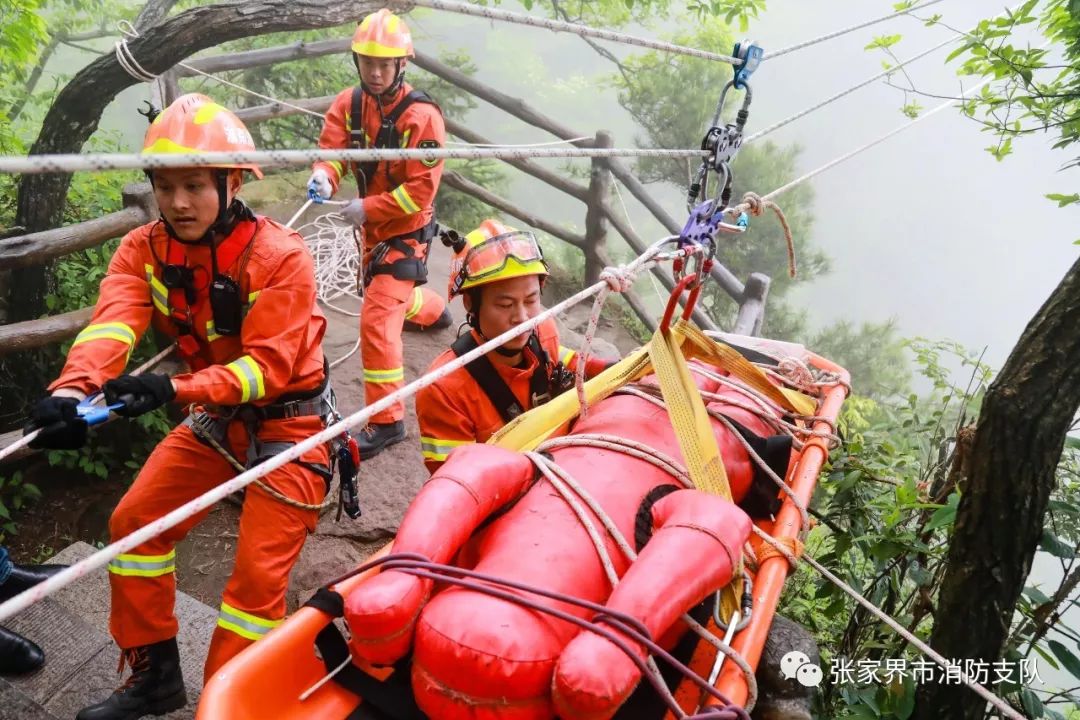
410 267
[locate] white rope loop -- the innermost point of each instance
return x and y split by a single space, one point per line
126 59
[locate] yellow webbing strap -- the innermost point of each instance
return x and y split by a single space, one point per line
702 347
528 430
665 355
686 409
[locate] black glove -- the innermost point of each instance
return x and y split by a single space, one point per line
139 393
60 424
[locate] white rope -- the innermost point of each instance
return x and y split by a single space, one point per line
75 162
868 81
561 26
249 91
332 242
29 437
862 148
617 281
549 143
131 66
845 31
102 557
127 59
997 702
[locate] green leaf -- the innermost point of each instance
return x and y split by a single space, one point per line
1062 201
1036 595
1032 704
942 517
1047 657
4 513
1069 661
1057 547
883 42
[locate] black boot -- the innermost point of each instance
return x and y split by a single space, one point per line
18 655
24 577
441 322
376 437
155 686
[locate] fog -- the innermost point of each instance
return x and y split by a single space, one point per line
927 228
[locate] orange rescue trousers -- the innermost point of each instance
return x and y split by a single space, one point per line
388 302
270 538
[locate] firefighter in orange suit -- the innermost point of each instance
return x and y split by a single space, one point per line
237 291
500 274
394 212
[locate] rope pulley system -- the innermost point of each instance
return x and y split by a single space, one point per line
721 143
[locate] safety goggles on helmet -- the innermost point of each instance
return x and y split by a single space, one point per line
490 258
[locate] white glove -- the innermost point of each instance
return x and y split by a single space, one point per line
319 187
354 212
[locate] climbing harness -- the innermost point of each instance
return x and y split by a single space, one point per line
548 378
388 135
211 426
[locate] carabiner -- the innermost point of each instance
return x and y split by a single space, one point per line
689 282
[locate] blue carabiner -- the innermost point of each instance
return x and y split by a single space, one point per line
95 414
749 53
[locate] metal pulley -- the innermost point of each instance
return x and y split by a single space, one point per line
722 142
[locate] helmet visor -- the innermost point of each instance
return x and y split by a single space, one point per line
490 257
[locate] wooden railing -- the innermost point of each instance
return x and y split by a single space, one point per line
42 247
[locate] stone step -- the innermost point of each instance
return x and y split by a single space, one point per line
72 627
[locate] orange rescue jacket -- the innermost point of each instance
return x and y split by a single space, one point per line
278 350
400 196
455 410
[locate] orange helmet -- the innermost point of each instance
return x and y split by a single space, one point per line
194 123
383 34
494 252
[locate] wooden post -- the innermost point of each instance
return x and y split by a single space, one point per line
752 305
595 219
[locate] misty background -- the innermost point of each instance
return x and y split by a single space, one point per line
927 228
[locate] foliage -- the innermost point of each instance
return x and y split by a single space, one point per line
887 507
871 352
15 492
1035 84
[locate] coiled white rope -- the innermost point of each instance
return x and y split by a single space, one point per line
102 557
